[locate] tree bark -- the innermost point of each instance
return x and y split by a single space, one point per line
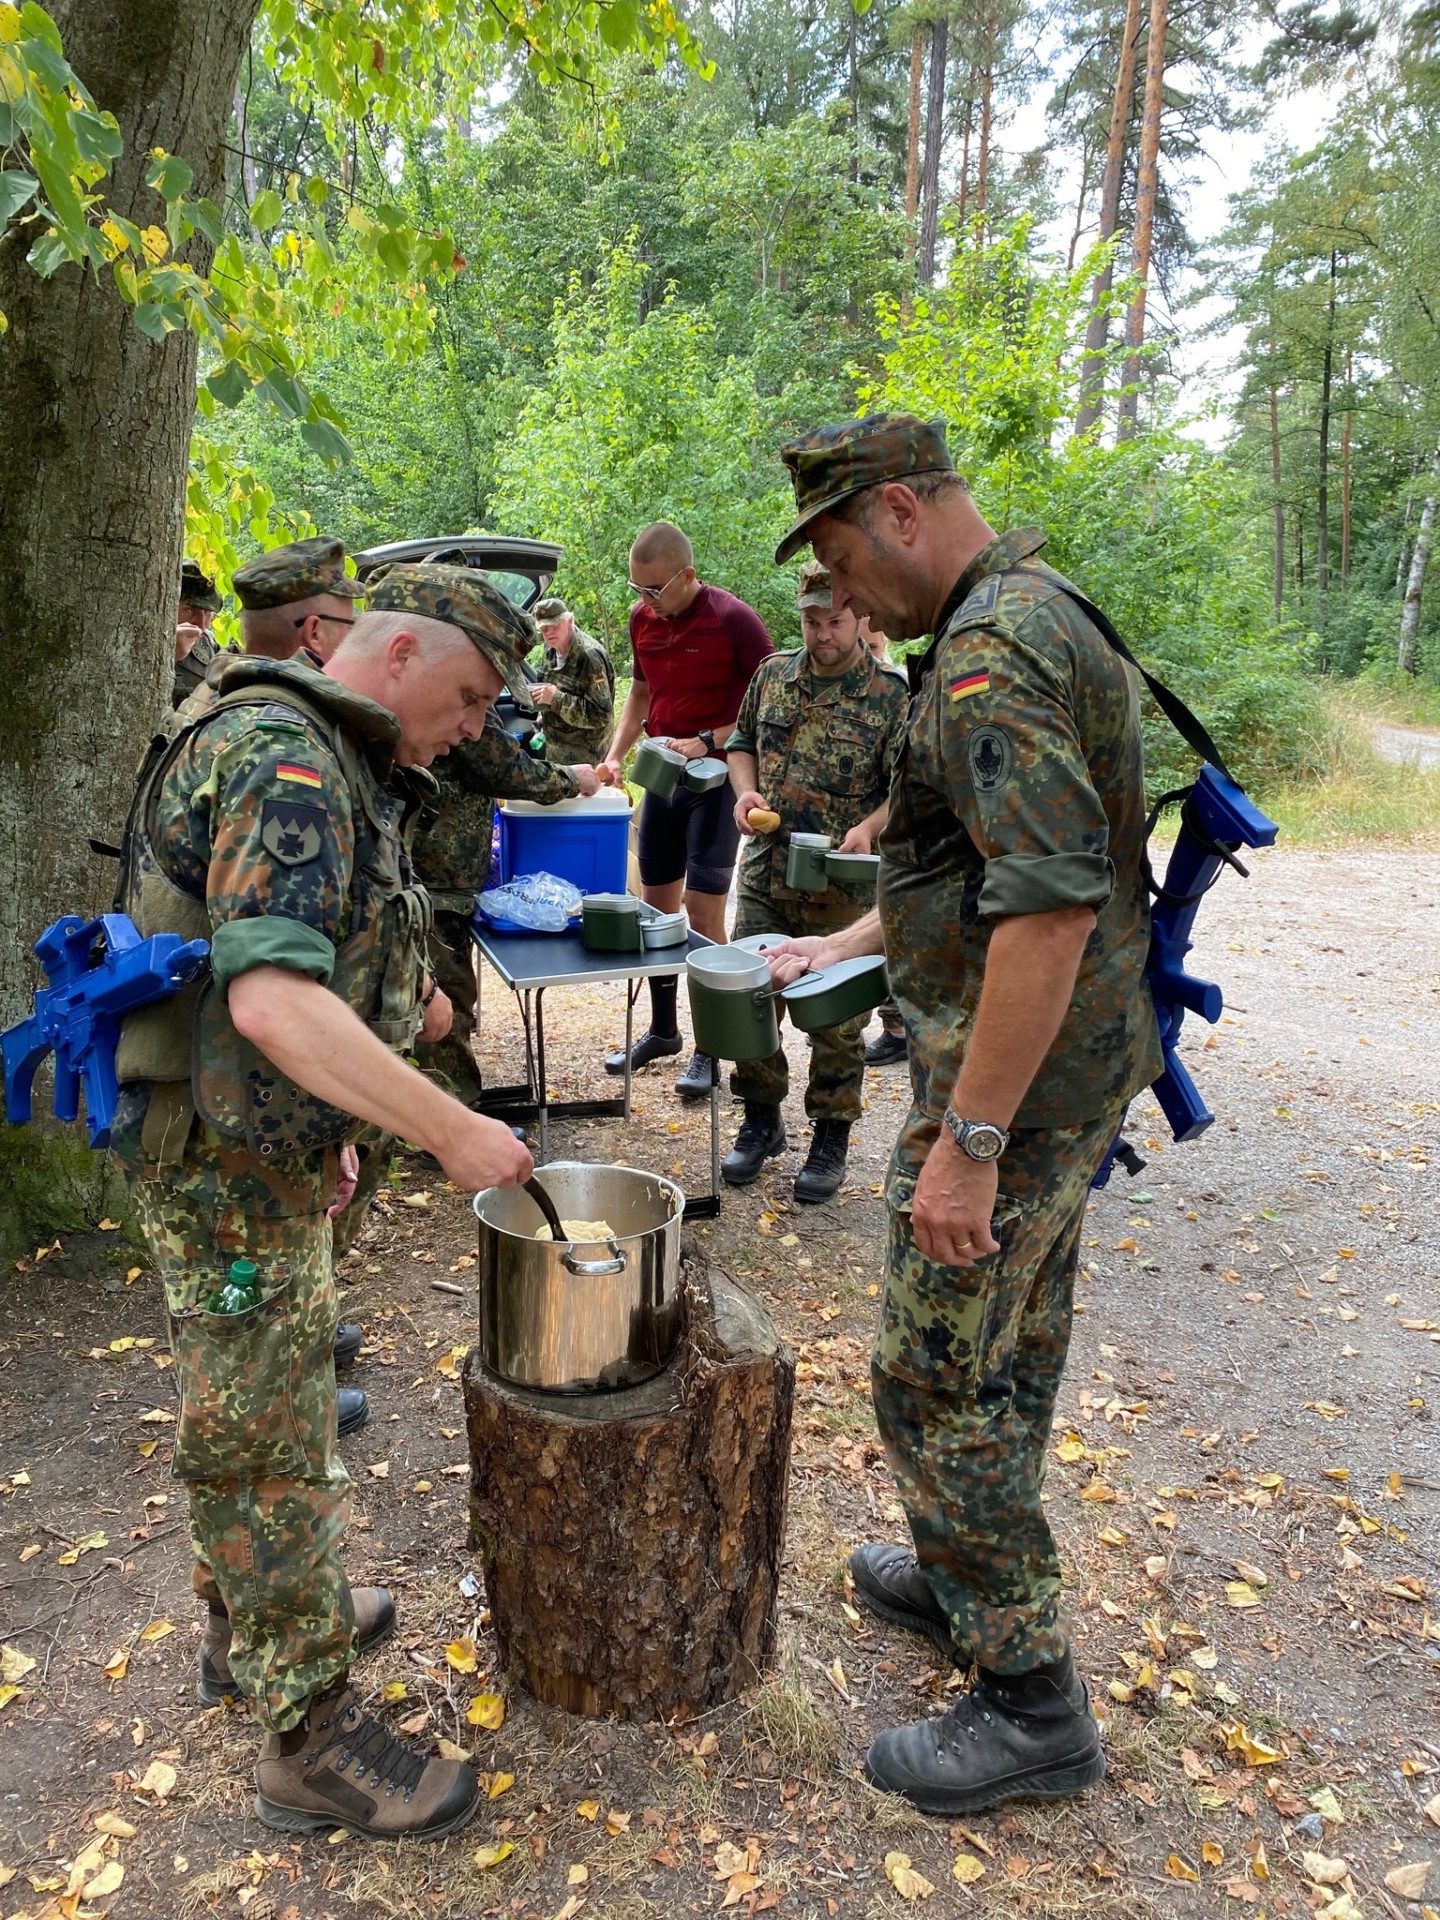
95 421
1415 582
1279 584
967 125
852 89
912 142
1403 562
934 135
631 1542
1097 333
1146 180
1322 490
1345 472
987 119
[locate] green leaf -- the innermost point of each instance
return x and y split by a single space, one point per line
154 321
36 21
619 27
316 190
15 190
48 254
97 137
266 210
229 384
322 438
285 394
208 219
170 176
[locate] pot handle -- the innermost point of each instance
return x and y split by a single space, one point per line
591 1269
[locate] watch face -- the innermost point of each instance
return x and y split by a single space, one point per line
984 1143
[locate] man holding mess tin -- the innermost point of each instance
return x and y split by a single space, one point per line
812 751
1015 920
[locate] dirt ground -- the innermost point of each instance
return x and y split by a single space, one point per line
1245 1487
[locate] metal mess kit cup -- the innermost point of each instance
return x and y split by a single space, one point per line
732 1004
661 770
805 862
575 1317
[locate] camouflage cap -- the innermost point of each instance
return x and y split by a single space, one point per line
197 589
551 608
814 586
462 597
295 572
829 464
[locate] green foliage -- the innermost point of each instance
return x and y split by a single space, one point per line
641 418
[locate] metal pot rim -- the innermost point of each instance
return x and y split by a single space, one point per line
676 1194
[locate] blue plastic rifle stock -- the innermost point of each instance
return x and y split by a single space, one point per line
1217 818
98 971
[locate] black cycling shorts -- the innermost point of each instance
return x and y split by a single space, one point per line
690 835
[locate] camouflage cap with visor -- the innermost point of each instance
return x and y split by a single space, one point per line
462 597
831 464
297 571
551 608
815 590
197 589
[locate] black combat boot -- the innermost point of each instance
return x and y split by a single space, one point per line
761 1137
886 1048
1018 1736
891 1583
348 1341
352 1410
824 1168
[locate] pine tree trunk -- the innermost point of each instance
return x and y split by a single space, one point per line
1146 181
912 142
967 124
1279 505
987 121
1403 562
1097 333
1415 582
95 421
1345 474
934 136
853 91
1322 490
1086 159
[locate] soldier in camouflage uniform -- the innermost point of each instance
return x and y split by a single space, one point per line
1014 914
576 689
296 598
815 741
272 824
452 857
194 648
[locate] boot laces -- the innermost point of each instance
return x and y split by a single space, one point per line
367 1747
965 1720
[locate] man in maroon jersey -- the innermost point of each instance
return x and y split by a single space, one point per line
695 649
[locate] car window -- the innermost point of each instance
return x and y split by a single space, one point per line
519 587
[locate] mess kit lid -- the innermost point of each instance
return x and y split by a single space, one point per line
820 841
617 905
653 750
729 969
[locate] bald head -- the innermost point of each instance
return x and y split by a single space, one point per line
319 622
661 544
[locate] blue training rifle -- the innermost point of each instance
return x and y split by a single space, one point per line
98 971
1217 817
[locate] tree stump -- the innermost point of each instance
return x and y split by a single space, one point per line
631 1541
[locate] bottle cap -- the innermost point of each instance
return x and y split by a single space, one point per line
242 1273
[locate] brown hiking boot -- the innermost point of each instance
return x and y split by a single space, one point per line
374 1622
340 1768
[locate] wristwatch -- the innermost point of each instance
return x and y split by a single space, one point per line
706 739
978 1138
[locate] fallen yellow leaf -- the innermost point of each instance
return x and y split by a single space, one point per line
1257 1753
1240 1593
115 1825
105 1881
967 1869
730 1859
1432 1810
616 1823
1324 1870
487 1710
740 1884
1212 1853
588 1809
29 1553
118 1665
157 1630
500 1783
1179 1869
492 1856
7 1694
392 1691
1408 1882
14 1665
461 1655
448 1750
158 1778
909 1884
577 1876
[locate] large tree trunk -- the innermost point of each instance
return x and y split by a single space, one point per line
1415 583
95 421
1146 181
631 1542
1279 586
1322 490
1097 333
912 141
987 119
934 135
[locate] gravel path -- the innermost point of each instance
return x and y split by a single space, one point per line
1408 746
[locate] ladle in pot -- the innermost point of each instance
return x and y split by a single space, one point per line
615 1264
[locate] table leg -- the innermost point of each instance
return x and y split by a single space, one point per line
632 988
542 1091
714 1128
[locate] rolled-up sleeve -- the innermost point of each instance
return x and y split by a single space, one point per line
1017 776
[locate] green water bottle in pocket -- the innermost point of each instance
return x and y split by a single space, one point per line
240 1292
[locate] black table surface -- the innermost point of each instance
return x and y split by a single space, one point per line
527 961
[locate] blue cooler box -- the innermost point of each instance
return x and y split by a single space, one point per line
586 842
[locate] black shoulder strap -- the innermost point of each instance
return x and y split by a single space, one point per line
1195 735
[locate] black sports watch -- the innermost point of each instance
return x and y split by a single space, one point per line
978 1138
707 739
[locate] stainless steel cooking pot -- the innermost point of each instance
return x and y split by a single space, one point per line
577 1318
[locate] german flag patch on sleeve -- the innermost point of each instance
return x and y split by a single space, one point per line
968 683
301 776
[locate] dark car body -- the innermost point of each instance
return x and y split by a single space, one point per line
522 569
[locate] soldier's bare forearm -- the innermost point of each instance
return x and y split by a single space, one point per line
1030 971
314 1038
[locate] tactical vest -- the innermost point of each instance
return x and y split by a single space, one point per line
188 1048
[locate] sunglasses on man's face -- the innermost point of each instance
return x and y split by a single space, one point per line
339 619
654 593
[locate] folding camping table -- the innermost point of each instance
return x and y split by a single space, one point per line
530 964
